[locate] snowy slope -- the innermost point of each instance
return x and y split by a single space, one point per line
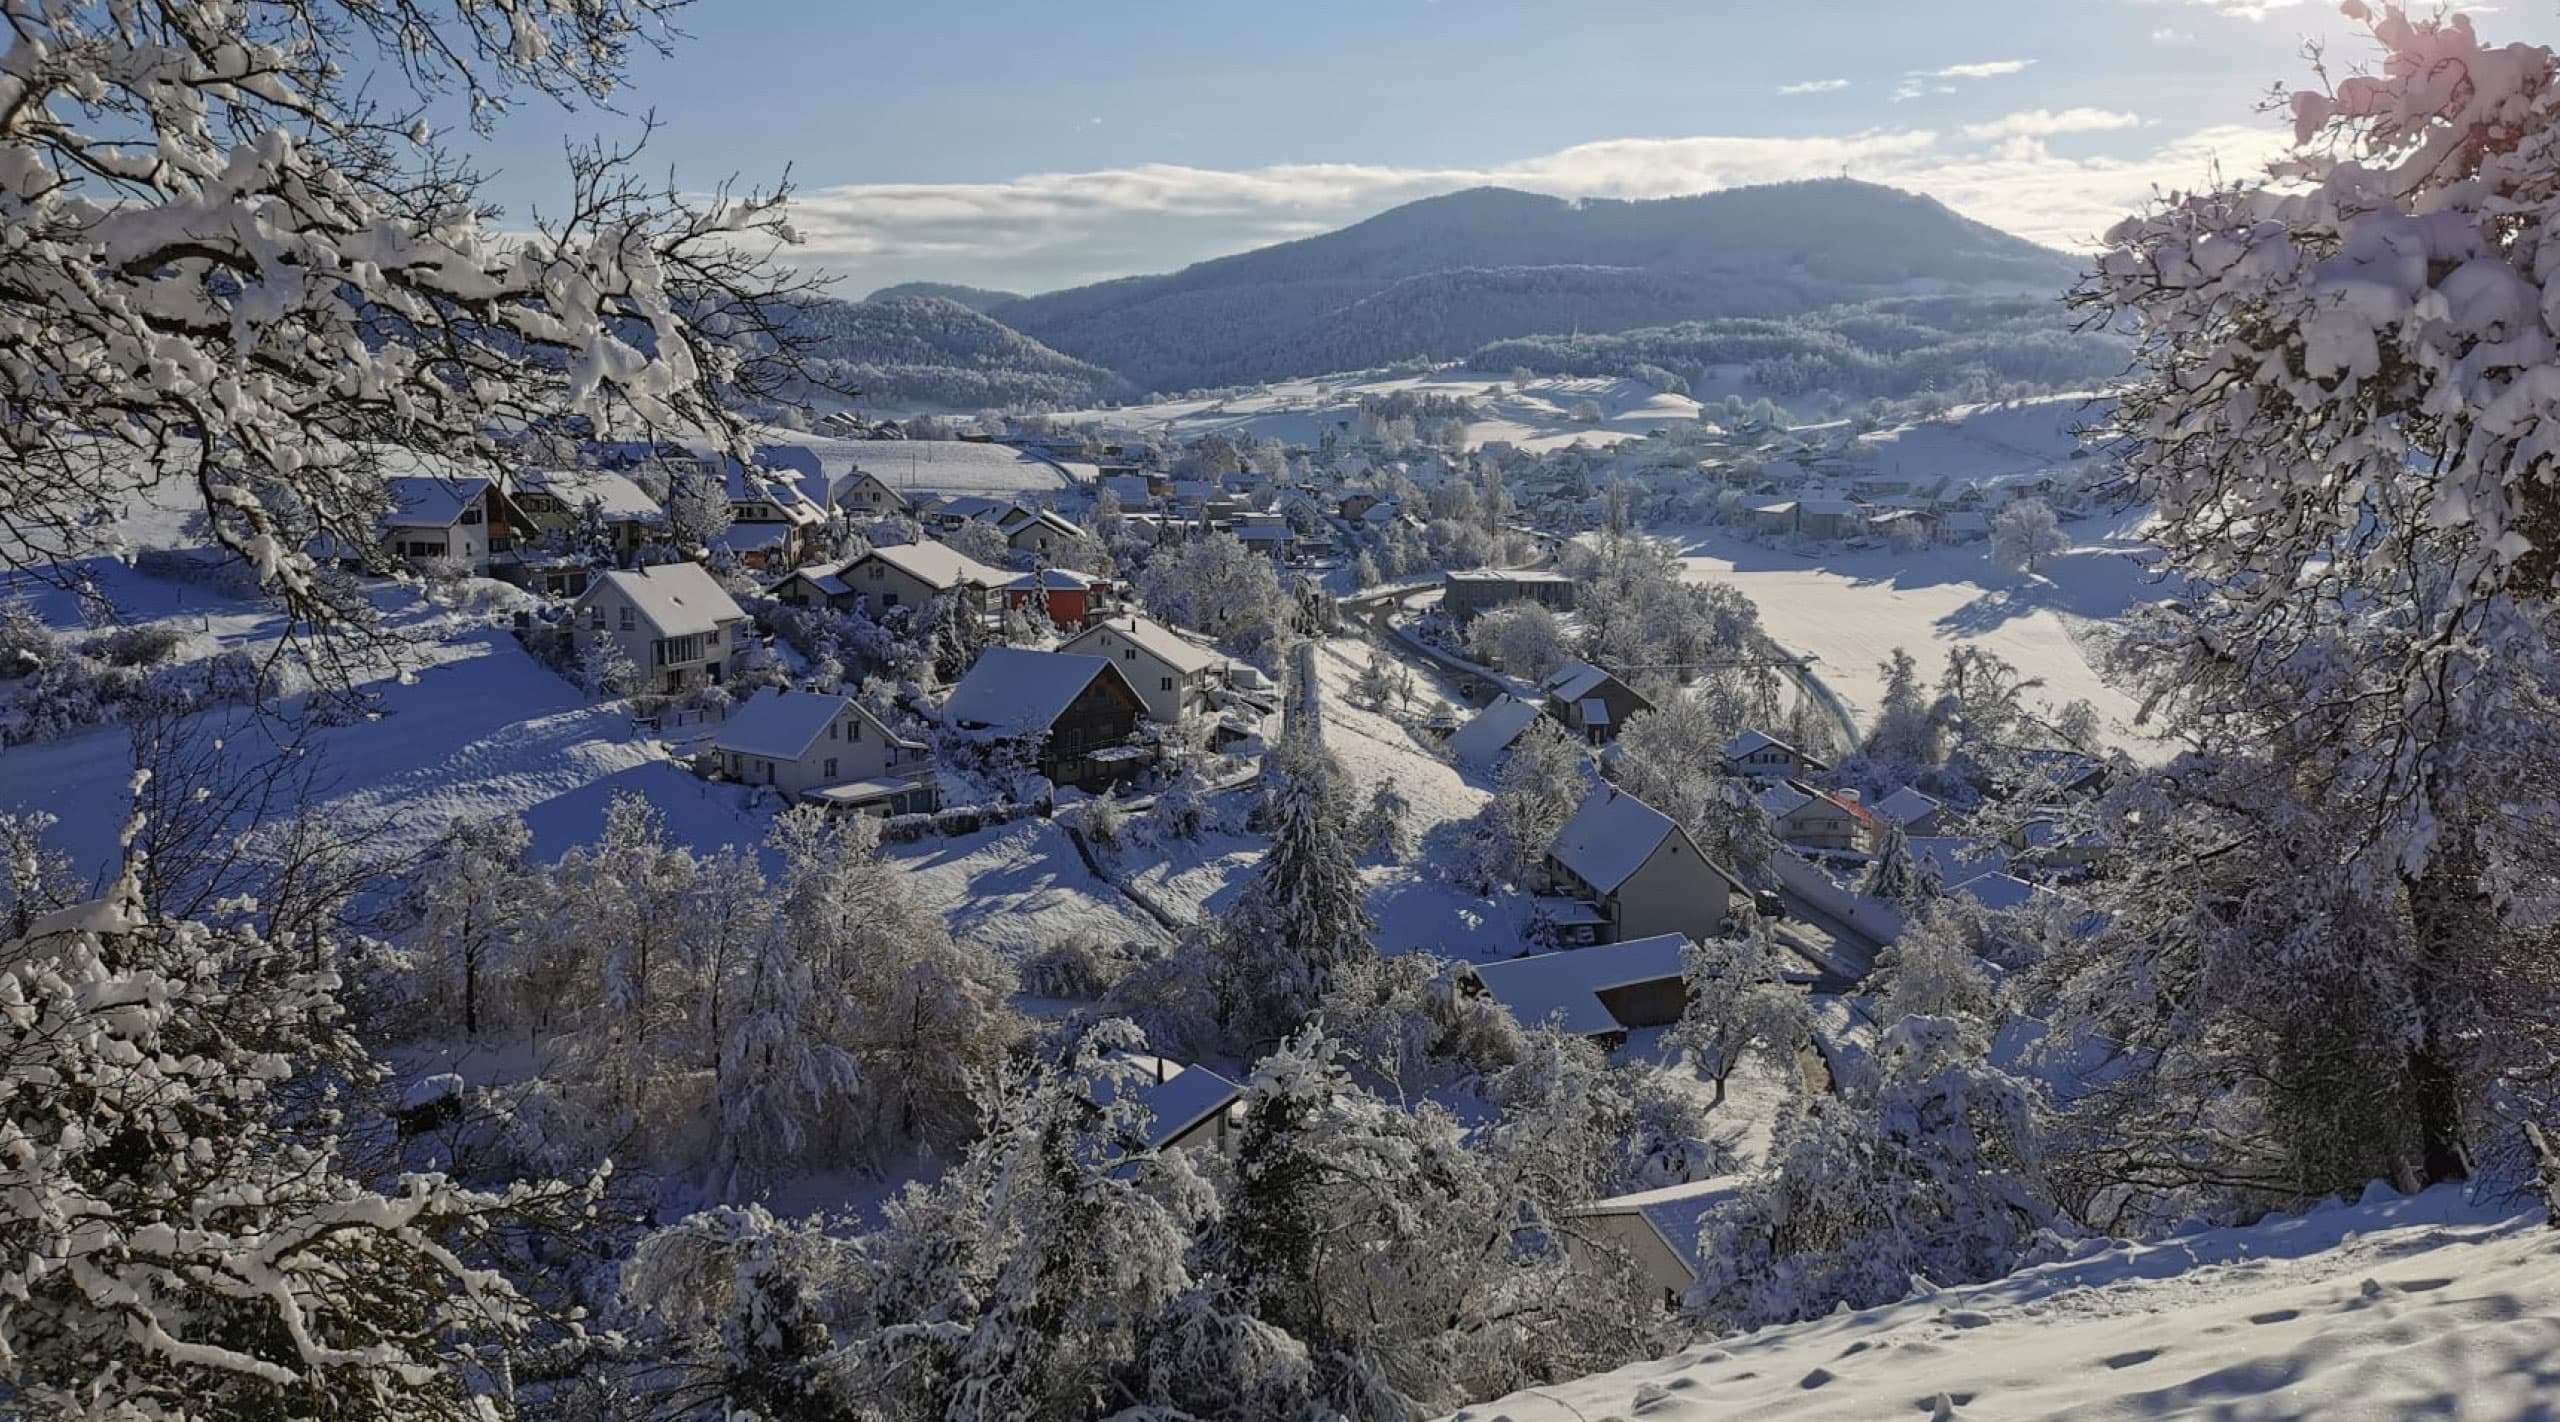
1537 416
2428 1307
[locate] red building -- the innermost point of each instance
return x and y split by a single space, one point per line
1074 598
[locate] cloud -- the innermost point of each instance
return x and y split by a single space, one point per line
1045 230
1938 81
1814 86
2242 9
2173 36
2045 123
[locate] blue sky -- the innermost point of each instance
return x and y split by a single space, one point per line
1036 145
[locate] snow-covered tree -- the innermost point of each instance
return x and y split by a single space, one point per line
1894 876
1305 911
1217 585
1738 1004
740 1307
1672 758
2025 534
1381 826
1373 685
1522 638
183 1236
980 539
2345 415
206 189
474 895
1905 734
1536 789
698 509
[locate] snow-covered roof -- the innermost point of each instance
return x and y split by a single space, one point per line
1154 638
1998 891
1610 837
1574 681
1771 506
1674 1211
1565 987
678 599
422 501
615 496
1956 860
1184 1100
1784 799
783 725
1021 518
1017 689
1753 742
1828 506
1907 806
1056 580
939 566
1131 488
1507 575
970 506
827 578
751 537
1494 729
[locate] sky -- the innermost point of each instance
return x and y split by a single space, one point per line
1028 145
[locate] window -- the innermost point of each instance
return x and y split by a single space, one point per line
831 767
877 571
853 730
630 623
831 730
1168 684
711 638
1130 655
470 516
888 599
595 619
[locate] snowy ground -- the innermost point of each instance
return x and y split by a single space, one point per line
923 468
1536 416
1851 609
1415 905
2429 1307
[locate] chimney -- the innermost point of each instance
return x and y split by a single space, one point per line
1851 795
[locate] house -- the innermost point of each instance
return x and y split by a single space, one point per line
1964 527
1038 532
1588 992
1466 596
1193 1108
817 585
1078 713
1773 517
914 574
1271 539
1485 739
1830 519
827 749
1638 870
1764 757
1074 598
1134 491
1356 505
1590 702
563 501
1654 1230
1817 819
948 513
671 621
1172 673
1949 860
1914 813
465 520
1999 892
862 495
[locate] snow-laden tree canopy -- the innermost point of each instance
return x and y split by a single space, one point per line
2351 392
234 252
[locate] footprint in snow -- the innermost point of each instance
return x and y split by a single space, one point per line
2134 1359
2421 1286
1819 1377
2277 1315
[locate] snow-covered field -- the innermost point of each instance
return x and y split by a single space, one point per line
1851 609
923 468
1537 416
2426 1307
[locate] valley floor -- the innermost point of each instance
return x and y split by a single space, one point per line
2399 1308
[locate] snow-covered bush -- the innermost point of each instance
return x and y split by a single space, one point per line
1400 1023
1081 966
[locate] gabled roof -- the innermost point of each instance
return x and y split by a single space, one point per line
827 578
1674 1212
1753 742
1575 681
1056 579
1956 860
1152 637
1017 689
938 565
1783 799
1021 518
617 497
678 599
1999 891
970 506
1907 806
782 725
1494 729
1610 837
423 501
1829 506
1184 1100
1564 987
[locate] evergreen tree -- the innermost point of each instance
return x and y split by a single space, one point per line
1894 876
1306 909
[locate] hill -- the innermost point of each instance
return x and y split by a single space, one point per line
1445 276
2424 1307
923 352
976 298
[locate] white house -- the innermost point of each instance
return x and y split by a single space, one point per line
1172 673
671 621
825 748
432 518
1915 813
1037 531
1638 870
1764 757
864 496
561 500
